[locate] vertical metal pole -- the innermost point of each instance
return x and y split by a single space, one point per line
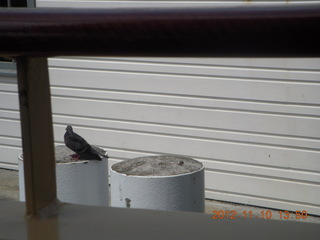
37 137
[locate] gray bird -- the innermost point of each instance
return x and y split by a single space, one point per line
80 146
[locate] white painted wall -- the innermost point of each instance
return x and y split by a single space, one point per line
254 123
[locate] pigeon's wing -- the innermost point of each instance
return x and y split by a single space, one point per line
89 153
76 142
79 145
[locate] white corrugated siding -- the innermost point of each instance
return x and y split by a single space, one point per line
10 133
254 123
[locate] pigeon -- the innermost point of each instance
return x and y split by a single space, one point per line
80 146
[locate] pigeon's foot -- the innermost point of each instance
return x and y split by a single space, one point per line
75 157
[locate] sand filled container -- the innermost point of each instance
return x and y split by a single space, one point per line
164 182
80 182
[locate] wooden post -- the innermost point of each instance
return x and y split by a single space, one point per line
37 136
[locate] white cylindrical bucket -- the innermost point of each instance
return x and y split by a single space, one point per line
165 182
80 182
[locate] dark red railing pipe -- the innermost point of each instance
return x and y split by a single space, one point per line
287 31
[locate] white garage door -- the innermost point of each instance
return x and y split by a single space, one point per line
254 123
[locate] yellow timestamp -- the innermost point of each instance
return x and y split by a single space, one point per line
262 214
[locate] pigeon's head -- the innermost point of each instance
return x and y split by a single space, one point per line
69 129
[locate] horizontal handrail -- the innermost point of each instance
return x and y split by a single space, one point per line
286 31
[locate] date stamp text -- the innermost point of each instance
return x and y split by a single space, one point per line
262 214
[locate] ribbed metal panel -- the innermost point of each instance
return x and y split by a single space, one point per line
252 122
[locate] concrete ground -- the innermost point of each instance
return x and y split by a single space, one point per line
9 185
9 190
